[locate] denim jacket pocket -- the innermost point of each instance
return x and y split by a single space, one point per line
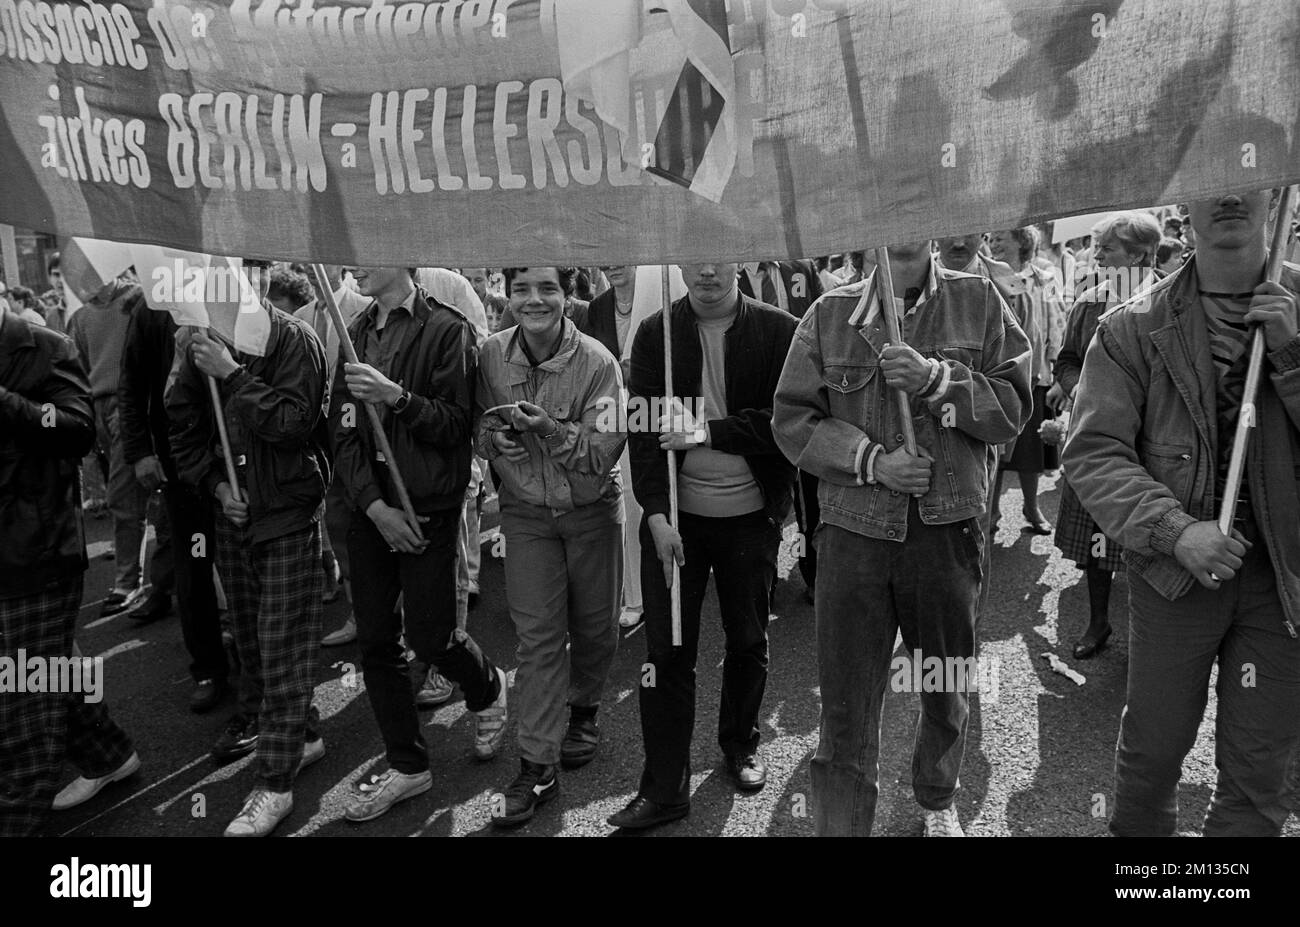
846 390
1170 464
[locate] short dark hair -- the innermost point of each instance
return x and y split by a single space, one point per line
291 285
567 277
256 262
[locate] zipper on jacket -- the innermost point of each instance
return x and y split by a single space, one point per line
1290 628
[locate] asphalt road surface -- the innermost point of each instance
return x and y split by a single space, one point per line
1038 760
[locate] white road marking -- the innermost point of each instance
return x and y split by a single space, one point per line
152 785
121 648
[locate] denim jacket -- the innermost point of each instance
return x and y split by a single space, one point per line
580 387
833 407
1143 448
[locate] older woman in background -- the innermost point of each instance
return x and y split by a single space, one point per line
1126 246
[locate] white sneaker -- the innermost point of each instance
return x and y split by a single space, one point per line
313 751
943 823
262 812
81 790
375 797
437 690
344 635
629 618
490 723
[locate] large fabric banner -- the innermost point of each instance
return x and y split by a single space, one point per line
626 131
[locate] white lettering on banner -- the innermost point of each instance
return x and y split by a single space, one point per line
225 133
96 149
383 29
90 33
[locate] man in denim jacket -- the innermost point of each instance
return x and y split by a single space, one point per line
1153 429
900 542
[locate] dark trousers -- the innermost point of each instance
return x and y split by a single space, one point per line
808 513
741 554
39 730
191 537
927 587
1172 648
427 584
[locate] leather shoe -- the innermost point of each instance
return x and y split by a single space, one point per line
207 695
747 771
1089 646
154 609
642 813
1037 524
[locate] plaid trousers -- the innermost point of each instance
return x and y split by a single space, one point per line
39 729
273 591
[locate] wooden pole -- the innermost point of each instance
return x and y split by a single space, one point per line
376 423
1246 416
231 475
676 590
885 290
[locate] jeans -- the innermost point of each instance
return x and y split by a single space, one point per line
563 577
190 517
127 499
1172 647
808 515
427 583
740 552
927 587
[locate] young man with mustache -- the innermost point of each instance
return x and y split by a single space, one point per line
1154 422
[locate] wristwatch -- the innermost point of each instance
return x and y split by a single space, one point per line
403 401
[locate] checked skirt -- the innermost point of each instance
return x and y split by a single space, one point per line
1076 534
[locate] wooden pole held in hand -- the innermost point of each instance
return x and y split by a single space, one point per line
232 476
376 423
1246 415
885 290
676 591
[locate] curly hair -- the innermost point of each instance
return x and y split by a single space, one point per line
290 285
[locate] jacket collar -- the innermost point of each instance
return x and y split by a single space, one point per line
869 304
15 334
517 365
1184 344
683 309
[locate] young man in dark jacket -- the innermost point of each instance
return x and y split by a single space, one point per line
418 366
147 358
735 489
46 426
268 539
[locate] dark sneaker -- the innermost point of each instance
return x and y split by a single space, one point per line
580 741
239 739
535 785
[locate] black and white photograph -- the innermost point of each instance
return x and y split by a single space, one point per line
649 418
